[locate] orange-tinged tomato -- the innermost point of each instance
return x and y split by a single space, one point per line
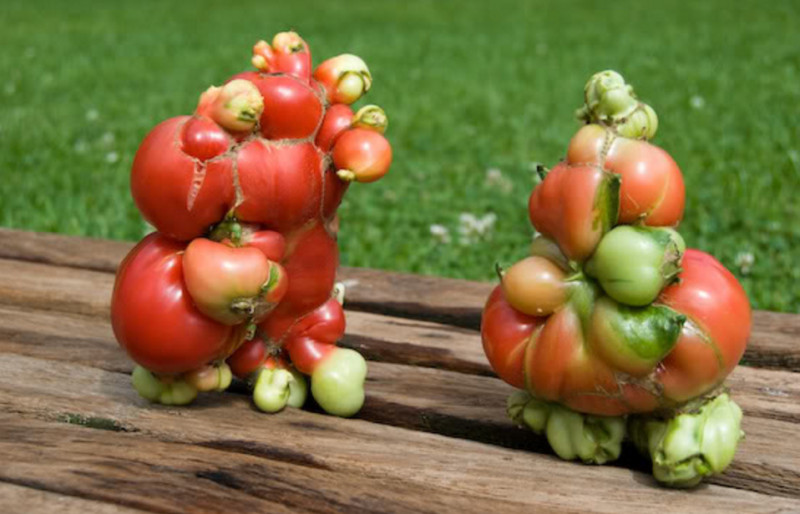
652 186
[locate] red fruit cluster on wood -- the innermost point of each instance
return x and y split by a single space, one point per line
252 168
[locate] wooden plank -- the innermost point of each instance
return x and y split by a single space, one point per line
456 404
451 301
424 463
139 471
27 330
18 499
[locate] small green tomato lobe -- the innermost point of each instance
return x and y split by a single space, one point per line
276 388
612 102
572 435
338 383
633 264
634 339
691 445
178 392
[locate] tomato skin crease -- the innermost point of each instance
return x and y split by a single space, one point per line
552 357
162 179
652 188
567 208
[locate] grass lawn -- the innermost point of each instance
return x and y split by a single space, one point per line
476 92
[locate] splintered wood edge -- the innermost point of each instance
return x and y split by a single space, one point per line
444 300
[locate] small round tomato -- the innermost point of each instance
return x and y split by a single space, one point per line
535 286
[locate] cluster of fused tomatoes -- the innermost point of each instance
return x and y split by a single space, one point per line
610 314
238 279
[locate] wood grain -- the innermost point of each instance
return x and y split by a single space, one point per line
138 471
450 403
773 343
421 464
24 499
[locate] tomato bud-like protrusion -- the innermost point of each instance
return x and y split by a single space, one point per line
337 383
279 385
236 106
203 139
287 54
612 102
232 285
362 155
210 378
345 78
535 286
371 117
633 264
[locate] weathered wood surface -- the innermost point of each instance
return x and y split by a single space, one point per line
433 435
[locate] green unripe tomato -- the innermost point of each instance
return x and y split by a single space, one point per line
633 264
338 382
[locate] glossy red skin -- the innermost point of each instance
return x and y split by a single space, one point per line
292 109
563 208
297 64
281 184
652 186
163 178
203 139
311 262
551 357
272 244
337 119
333 192
314 337
364 152
249 357
154 318
718 308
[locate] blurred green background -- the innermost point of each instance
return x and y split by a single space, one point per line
476 92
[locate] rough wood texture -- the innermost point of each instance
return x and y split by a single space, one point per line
433 435
773 343
431 466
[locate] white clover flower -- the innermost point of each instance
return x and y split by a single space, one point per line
473 229
744 261
496 179
440 233
697 102
112 157
92 115
10 88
